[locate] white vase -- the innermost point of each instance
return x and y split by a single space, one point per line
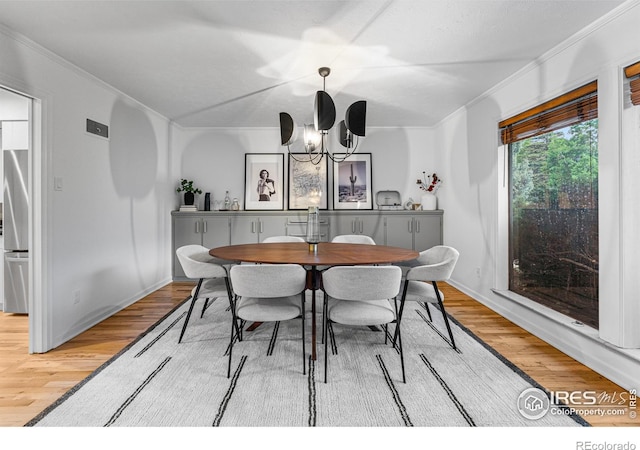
429 202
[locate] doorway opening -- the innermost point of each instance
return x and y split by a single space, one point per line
16 213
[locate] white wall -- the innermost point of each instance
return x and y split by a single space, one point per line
475 194
13 106
106 235
214 158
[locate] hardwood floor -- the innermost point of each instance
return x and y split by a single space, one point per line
30 383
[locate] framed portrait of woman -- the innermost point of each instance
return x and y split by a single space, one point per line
263 181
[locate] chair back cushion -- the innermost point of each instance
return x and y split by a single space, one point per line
354 239
198 263
268 280
282 239
437 264
362 282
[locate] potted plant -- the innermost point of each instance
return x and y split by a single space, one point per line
186 186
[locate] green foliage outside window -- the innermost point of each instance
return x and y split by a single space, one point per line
554 220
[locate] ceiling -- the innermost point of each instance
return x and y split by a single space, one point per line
239 63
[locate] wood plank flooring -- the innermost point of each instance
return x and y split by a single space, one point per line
30 383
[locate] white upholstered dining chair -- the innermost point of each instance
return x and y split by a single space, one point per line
267 293
354 239
282 239
362 296
212 275
347 239
421 277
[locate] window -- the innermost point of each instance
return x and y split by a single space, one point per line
553 211
633 74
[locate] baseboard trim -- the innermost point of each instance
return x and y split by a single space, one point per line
91 321
579 342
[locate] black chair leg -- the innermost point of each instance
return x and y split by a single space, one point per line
325 331
304 360
399 314
230 350
386 334
231 304
324 318
444 315
404 379
234 328
193 302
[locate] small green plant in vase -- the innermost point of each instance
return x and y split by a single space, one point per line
186 186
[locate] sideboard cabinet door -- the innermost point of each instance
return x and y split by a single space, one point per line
399 231
216 231
427 232
371 225
253 229
197 229
187 230
416 231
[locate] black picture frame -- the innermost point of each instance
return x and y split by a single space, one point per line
307 183
272 198
352 182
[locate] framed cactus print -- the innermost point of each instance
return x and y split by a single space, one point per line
352 183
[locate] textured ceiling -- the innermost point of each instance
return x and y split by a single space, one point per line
239 63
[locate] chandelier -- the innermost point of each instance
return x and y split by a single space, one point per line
324 116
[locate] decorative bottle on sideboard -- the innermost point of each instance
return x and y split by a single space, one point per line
313 230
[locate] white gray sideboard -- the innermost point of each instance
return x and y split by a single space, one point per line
417 230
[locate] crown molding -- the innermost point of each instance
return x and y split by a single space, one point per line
563 46
57 59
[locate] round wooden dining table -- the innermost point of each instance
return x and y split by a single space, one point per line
326 254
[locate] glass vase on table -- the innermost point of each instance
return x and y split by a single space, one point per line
313 230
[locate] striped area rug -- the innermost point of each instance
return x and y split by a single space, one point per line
156 382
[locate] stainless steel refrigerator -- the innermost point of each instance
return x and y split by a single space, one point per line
15 230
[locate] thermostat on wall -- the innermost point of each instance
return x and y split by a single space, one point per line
97 128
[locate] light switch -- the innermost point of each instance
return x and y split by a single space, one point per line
57 183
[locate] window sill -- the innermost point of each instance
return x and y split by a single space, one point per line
569 324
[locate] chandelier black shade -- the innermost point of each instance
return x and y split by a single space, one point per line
324 118
324 112
286 128
356 117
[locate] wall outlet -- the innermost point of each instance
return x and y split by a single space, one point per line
76 296
478 272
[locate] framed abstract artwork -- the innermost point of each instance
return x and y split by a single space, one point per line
263 181
307 183
352 183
